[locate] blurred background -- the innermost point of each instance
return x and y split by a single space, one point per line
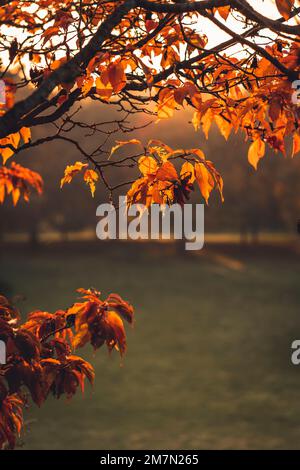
208 363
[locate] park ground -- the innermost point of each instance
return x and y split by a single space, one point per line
208 362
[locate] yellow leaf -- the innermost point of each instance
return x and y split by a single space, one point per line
223 125
71 171
256 152
6 152
206 122
11 141
196 121
187 172
147 165
204 180
16 193
105 91
15 139
87 86
166 105
25 134
198 152
162 150
121 143
90 177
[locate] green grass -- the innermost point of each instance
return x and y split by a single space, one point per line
208 364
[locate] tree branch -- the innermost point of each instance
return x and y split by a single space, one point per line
10 122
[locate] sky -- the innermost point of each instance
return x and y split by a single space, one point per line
215 35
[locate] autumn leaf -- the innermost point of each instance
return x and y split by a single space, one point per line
256 152
204 180
120 144
18 181
224 126
87 85
84 367
105 91
166 104
296 144
82 336
158 147
196 120
11 419
285 7
139 192
224 12
167 172
91 177
198 152
147 165
114 332
5 149
187 172
25 134
122 307
71 171
117 76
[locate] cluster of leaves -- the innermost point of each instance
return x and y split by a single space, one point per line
10 144
159 182
134 53
266 113
40 359
18 181
90 176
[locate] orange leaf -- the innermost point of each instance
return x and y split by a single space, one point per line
224 12
121 143
122 307
204 180
167 172
224 126
87 85
18 180
25 134
105 91
166 105
187 172
285 7
117 76
296 144
147 165
71 171
90 177
196 121
6 152
256 152
115 332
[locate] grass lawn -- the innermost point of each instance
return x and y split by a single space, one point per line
208 363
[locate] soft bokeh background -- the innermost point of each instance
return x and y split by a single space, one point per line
208 364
